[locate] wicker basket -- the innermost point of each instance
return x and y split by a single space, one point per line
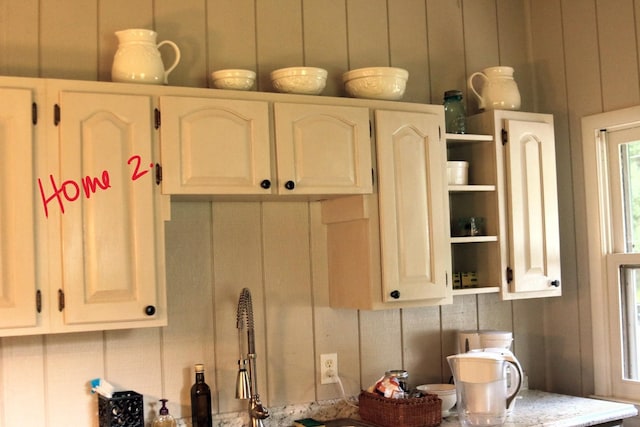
413 412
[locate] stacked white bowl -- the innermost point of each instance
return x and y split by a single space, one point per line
445 392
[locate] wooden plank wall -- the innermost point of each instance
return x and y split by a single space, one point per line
276 249
586 61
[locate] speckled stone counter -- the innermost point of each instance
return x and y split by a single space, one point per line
537 408
533 408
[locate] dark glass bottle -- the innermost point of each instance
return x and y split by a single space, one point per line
200 400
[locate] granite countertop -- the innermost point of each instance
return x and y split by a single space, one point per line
537 408
532 408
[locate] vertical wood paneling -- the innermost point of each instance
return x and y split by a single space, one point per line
231 35
69 39
530 344
19 33
279 38
551 84
22 382
326 49
71 361
408 46
334 331
422 345
289 313
133 362
462 315
515 49
367 33
481 42
111 19
618 48
380 344
446 47
184 23
237 258
583 98
189 337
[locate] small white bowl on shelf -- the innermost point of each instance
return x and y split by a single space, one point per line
234 79
445 392
299 80
388 83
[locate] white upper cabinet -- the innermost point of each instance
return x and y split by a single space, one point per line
534 250
322 149
215 146
389 250
413 206
19 295
527 203
111 227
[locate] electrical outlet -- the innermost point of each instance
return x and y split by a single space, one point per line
328 368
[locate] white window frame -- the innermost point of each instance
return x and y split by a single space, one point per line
604 257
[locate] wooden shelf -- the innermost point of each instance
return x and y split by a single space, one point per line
466 138
471 188
474 239
475 291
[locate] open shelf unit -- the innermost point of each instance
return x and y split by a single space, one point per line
479 253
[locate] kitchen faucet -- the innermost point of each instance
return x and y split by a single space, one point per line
247 382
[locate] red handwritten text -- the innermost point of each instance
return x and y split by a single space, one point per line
71 190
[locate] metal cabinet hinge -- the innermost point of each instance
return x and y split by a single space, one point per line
158 173
509 275
56 114
370 129
373 177
39 301
60 300
439 133
156 118
505 136
34 113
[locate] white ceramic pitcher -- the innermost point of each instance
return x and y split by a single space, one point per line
138 59
499 90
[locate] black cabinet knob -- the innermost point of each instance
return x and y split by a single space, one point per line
289 185
266 184
555 283
395 294
149 310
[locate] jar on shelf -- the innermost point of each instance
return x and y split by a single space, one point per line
454 112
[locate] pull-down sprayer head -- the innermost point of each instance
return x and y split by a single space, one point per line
247 381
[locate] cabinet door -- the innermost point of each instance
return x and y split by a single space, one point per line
17 227
111 226
414 208
534 246
215 146
322 149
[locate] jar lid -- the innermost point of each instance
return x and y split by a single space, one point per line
452 93
398 373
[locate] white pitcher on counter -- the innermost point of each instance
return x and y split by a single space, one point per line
138 59
499 90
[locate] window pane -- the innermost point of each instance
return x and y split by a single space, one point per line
630 180
630 322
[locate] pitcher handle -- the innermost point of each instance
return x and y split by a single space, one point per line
175 62
518 374
473 89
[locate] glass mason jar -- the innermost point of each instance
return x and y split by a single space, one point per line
454 112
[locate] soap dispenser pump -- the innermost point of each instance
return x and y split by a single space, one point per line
165 419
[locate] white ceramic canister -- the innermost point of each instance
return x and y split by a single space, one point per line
138 59
499 90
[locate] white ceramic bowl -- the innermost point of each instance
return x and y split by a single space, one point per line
300 80
234 79
446 393
376 82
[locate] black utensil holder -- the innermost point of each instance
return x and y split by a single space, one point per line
123 409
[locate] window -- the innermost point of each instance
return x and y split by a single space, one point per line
612 182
